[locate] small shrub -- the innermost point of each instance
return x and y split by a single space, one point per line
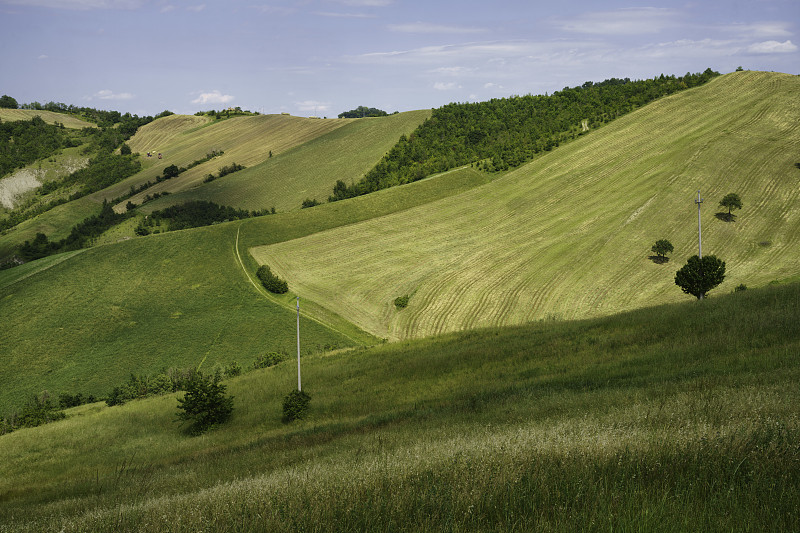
269 359
741 287
204 404
308 202
232 369
401 301
295 406
270 281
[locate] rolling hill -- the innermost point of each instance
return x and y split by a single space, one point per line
673 418
51 117
309 170
569 234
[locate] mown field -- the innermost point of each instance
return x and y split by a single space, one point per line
308 171
9 115
569 234
672 418
245 140
171 299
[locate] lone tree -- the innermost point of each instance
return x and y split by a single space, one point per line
204 404
698 276
731 201
661 248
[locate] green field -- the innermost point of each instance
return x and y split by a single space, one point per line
69 121
308 171
569 234
184 139
171 299
674 418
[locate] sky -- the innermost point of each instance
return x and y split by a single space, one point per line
323 57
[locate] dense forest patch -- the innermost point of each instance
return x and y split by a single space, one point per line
506 132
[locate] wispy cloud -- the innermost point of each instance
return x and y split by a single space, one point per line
758 29
214 97
196 8
446 86
331 14
772 47
273 10
313 106
107 94
429 28
79 4
628 21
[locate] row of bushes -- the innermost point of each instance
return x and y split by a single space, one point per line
271 281
224 171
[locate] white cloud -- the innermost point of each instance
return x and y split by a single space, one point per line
214 97
426 27
313 106
196 8
80 4
628 21
759 29
344 15
42 56
772 47
445 86
106 94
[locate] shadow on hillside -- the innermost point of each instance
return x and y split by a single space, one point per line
726 217
659 259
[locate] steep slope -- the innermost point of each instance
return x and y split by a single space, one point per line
83 323
308 171
640 421
569 234
9 115
245 140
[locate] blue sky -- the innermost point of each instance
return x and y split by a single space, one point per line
327 56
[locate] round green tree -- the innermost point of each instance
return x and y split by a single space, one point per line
698 276
731 201
662 247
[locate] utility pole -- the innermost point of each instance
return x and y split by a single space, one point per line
699 230
299 387
699 235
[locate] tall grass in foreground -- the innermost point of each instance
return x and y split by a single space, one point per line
675 418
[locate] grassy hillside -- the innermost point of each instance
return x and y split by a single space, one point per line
82 324
69 121
674 418
85 323
246 140
309 170
569 234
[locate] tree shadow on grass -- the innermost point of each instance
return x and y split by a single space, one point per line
659 259
726 217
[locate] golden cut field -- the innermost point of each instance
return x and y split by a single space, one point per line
569 234
246 140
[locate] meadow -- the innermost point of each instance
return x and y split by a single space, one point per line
671 418
51 117
172 299
569 234
307 171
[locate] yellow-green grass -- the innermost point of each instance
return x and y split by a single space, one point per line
170 300
675 418
308 171
69 121
33 307
569 234
55 223
245 140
